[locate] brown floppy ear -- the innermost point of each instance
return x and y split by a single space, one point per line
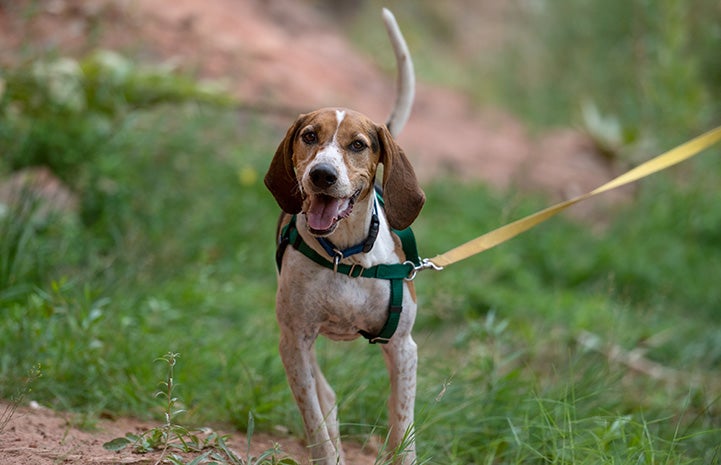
403 196
280 179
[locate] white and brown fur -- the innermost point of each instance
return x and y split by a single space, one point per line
324 171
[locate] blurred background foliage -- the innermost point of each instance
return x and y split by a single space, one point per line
569 345
651 64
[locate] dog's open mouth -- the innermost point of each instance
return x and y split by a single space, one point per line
324 212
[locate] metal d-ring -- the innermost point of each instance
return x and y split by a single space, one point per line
336 260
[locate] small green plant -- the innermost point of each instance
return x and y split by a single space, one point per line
173 436
9 410
386 455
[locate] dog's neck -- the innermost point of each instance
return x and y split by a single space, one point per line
354 230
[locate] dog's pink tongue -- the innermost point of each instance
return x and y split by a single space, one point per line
322 212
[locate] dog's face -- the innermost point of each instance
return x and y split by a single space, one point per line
335 156
327 162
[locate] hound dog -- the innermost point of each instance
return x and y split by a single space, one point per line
338 228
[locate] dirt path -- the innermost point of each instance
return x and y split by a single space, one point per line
39 436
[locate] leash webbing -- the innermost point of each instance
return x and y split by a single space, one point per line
511 230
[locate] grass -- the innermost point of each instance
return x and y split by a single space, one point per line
562 346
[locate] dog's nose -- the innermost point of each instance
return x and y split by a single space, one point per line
323 175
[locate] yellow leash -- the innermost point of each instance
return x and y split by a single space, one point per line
511 230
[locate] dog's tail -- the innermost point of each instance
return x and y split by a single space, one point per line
406 81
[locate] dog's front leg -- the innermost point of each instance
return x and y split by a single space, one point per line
401 359
326 397
313 396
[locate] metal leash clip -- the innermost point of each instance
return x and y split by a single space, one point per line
426 264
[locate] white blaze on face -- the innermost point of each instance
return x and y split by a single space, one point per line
339 116
324 210
333 155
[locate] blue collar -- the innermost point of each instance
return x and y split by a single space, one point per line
337 255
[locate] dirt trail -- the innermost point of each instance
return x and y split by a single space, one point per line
39 436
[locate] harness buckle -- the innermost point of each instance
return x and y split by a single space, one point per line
353 268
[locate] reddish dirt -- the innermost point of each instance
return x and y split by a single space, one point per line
40 436
280 58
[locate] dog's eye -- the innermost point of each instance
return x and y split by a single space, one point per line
358 145
309 137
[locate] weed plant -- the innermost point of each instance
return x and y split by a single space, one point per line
544 350
204 446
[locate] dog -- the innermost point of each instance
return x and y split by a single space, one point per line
342 259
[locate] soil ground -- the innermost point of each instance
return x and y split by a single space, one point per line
39 436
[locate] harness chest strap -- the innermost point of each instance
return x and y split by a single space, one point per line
395 273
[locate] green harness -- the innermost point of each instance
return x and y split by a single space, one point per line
395 273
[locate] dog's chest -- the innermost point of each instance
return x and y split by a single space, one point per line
339 306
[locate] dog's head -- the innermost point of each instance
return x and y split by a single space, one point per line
328 160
